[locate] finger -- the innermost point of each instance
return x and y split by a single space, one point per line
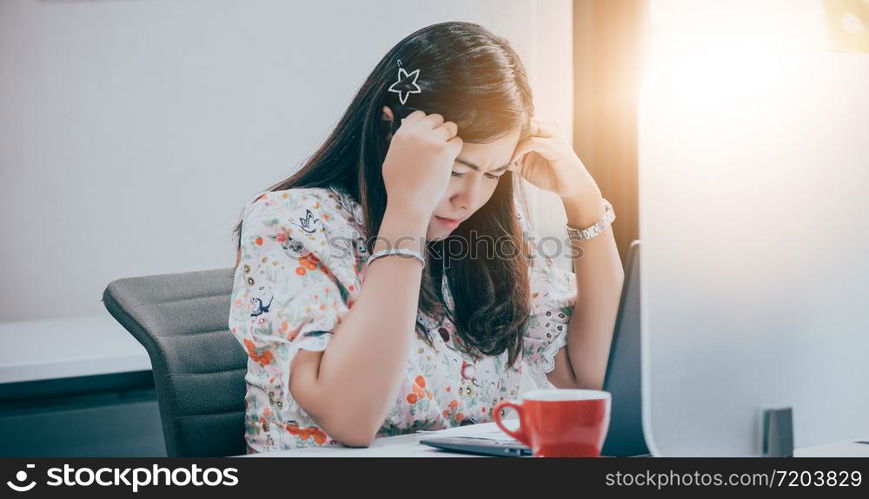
447 131
543 129
443 133
524 163
522 169
451 127
435 120
539 145
413 117
455 145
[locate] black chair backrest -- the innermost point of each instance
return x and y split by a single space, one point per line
198 365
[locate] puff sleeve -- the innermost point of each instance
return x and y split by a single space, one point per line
553 295
285 295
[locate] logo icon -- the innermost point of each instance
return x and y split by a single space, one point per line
21 476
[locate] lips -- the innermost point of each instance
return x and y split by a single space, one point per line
455 221
449 223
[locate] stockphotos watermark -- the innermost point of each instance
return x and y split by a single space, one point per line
472 246
132 477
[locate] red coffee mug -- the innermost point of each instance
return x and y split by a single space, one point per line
560 422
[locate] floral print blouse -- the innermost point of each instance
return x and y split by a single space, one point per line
291 289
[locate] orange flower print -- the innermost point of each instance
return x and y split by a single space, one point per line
301 270
295 332
309 261
454 404
263 359
259 241
418 392
264 419
319 436
314 433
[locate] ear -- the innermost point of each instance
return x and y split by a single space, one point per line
387 122
387 113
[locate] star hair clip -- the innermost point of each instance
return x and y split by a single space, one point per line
406 83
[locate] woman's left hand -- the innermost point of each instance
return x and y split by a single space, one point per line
547 160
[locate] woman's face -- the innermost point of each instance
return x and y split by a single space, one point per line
476 172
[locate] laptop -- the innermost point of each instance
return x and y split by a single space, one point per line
625 436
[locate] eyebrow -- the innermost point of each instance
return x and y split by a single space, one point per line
475 167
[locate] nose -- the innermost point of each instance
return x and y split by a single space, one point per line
467 194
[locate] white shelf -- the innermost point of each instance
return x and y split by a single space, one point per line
67 347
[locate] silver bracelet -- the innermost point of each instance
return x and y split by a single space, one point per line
396 251
585 234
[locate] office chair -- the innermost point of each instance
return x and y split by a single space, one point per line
198 365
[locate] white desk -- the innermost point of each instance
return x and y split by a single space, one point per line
401 445
409 446
841 449
68 347
47 359
85 346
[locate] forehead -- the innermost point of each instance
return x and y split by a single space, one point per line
492 154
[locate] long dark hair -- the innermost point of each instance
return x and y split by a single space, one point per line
475 79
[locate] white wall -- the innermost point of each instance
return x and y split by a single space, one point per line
133 131
753 174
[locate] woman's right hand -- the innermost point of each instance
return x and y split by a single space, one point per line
419 162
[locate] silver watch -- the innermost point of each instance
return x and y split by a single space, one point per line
584 234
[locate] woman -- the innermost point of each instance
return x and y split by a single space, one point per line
359 295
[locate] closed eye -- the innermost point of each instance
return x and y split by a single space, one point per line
489 175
